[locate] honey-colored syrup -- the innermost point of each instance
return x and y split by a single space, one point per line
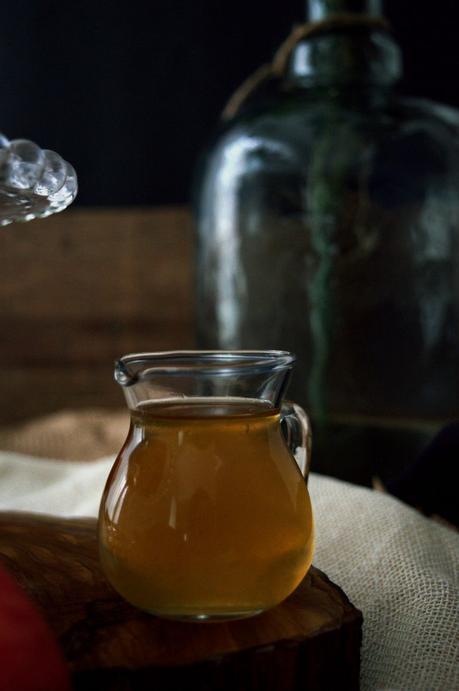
205 513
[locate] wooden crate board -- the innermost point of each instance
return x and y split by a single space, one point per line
80 289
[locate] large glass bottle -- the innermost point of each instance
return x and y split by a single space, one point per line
328 225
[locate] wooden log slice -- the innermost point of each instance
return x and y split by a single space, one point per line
310 641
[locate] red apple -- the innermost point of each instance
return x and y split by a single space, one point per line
30 659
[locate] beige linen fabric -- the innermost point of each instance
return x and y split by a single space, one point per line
401 570
70 435
397 566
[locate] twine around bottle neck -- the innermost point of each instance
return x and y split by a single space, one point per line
277 69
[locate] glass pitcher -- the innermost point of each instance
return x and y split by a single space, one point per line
206 513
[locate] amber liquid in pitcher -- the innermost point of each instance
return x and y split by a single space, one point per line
205 514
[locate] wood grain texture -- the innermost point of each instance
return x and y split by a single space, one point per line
81 288
311 641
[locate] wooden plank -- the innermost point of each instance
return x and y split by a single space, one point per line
28 392
81 288
311 641
114 262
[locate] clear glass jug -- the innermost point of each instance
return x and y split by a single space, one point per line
328 215
206 513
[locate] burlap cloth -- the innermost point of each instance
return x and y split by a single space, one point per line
397 566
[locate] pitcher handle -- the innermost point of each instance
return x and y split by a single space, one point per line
297 432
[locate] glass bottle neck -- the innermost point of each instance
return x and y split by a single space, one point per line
317 10
350 48
365 58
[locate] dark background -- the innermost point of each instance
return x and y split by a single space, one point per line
129 92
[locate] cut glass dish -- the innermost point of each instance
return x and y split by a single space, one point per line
34 182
